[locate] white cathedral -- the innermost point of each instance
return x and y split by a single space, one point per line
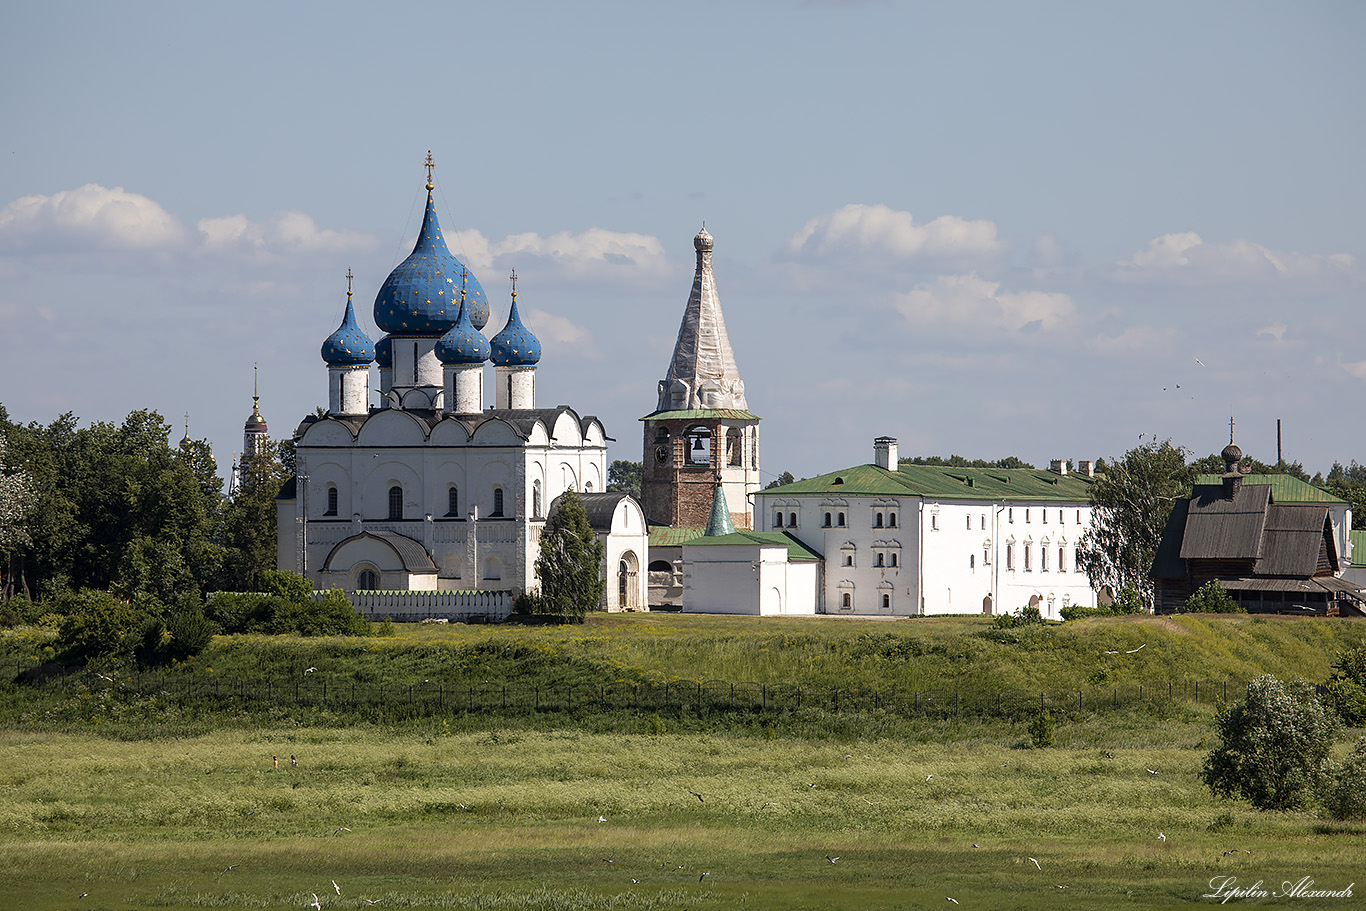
435 488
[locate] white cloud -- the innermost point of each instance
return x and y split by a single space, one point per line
1356 369
1135 339
91 217
970 300
595 252
1275 331
1187 260
287 233
859 230
557 331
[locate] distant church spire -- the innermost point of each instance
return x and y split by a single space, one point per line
719 523
702 373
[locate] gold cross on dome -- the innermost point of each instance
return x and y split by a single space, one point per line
429 164
513 276
348 281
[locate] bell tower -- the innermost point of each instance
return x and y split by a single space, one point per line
701 432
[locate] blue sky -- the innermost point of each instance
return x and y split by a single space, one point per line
983 228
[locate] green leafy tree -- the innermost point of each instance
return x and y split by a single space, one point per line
1130 503
570 563
249 529
1211 598
781 480
957 461
97 626
18 498
1274 749
624 477
1347 687
1342 796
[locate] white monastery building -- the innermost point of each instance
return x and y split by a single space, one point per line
905 540
436 487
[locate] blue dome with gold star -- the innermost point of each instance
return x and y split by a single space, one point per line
349 346
421 295
463 343
384 352
515 346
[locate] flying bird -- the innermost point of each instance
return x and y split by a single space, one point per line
1036 864
704 876
602 819
1151 771
610 858
1200 362
952 899
337 887
831 859
315 903
1161 836
309 670
698 796
928 777
1132 650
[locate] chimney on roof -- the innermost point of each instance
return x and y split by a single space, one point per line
884 453
1086 468
1058 466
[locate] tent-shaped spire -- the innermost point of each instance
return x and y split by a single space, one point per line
719 522
702 374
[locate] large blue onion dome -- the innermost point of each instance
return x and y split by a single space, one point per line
419 296
463 343
384 352
515 346
349 346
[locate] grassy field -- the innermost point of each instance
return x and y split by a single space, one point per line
473 813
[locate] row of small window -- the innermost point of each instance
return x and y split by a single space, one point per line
838 520
1026 551
881 560
1010 517
452 502
847 601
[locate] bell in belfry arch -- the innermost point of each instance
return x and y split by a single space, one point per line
696 444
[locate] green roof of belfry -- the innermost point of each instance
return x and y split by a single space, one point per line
1285 489
725 414
668 536
797 552
941 481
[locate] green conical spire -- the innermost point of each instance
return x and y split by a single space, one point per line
719 523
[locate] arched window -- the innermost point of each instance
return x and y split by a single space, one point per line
891 520
847 601
536 499
877 520
367 581
778 519
1027 549
396 502
1043 557
972 561
452 500
792 520
877 561
497 502
1062 560
969 522
331 501
1010 557
841 520
893 558
827 520
886 602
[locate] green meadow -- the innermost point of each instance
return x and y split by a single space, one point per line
136 801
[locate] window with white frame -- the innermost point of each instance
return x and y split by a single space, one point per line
1010 557
1027 549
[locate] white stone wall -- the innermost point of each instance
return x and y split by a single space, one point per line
464 385
752 579
945 561
348 390
516 387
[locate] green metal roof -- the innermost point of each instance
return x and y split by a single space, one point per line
797 552
725 414
667 536
1285 489
942 482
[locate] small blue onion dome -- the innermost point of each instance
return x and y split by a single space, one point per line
419 296
462 343
515 346
384 352
349 346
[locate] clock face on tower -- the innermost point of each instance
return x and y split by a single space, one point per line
662 453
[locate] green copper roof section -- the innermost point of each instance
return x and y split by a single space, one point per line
718 523
797 552
942 482
1285 489
724 414
667 536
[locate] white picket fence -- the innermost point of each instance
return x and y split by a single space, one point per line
416 606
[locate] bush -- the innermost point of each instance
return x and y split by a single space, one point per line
290 608
1211 598
1348 700
1343 796
1026 617
98 625
1275 746
1041 729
